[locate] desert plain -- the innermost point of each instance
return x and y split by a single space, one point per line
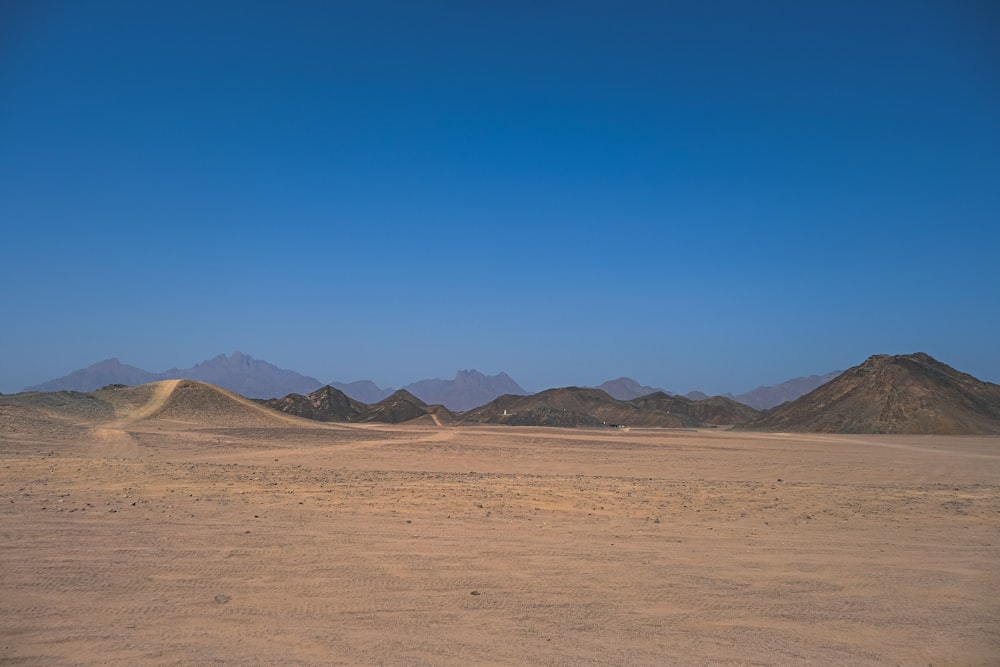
232 535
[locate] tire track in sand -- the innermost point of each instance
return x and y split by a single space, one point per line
112 440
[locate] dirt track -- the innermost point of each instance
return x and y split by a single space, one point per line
457 546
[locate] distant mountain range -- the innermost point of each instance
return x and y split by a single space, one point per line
765 398
469 389
761 398
906 394
253 378
239 373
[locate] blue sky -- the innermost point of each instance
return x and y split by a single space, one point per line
698 195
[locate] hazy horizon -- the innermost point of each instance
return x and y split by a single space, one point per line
448 376
706 196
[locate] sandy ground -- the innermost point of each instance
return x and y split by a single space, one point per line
167 544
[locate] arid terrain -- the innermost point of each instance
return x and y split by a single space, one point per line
183 525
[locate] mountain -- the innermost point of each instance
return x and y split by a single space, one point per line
583 407
365 391
326 404
109 371
767 397
909 393
244 375
625 389
239 373
468 390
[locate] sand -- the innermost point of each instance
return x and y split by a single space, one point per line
167 543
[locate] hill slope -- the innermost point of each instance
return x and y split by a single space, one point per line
158 404
908 393
190 402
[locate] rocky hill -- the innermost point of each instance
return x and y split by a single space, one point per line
584 407
325 404
332 405
401 406
566 407
682 411
909 393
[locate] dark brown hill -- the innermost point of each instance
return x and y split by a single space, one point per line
326 404
582 407
723 411
567 407
679 411
401 406
907 393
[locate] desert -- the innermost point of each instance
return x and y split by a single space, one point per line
440 333
175 523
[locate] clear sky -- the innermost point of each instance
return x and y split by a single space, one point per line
699 195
